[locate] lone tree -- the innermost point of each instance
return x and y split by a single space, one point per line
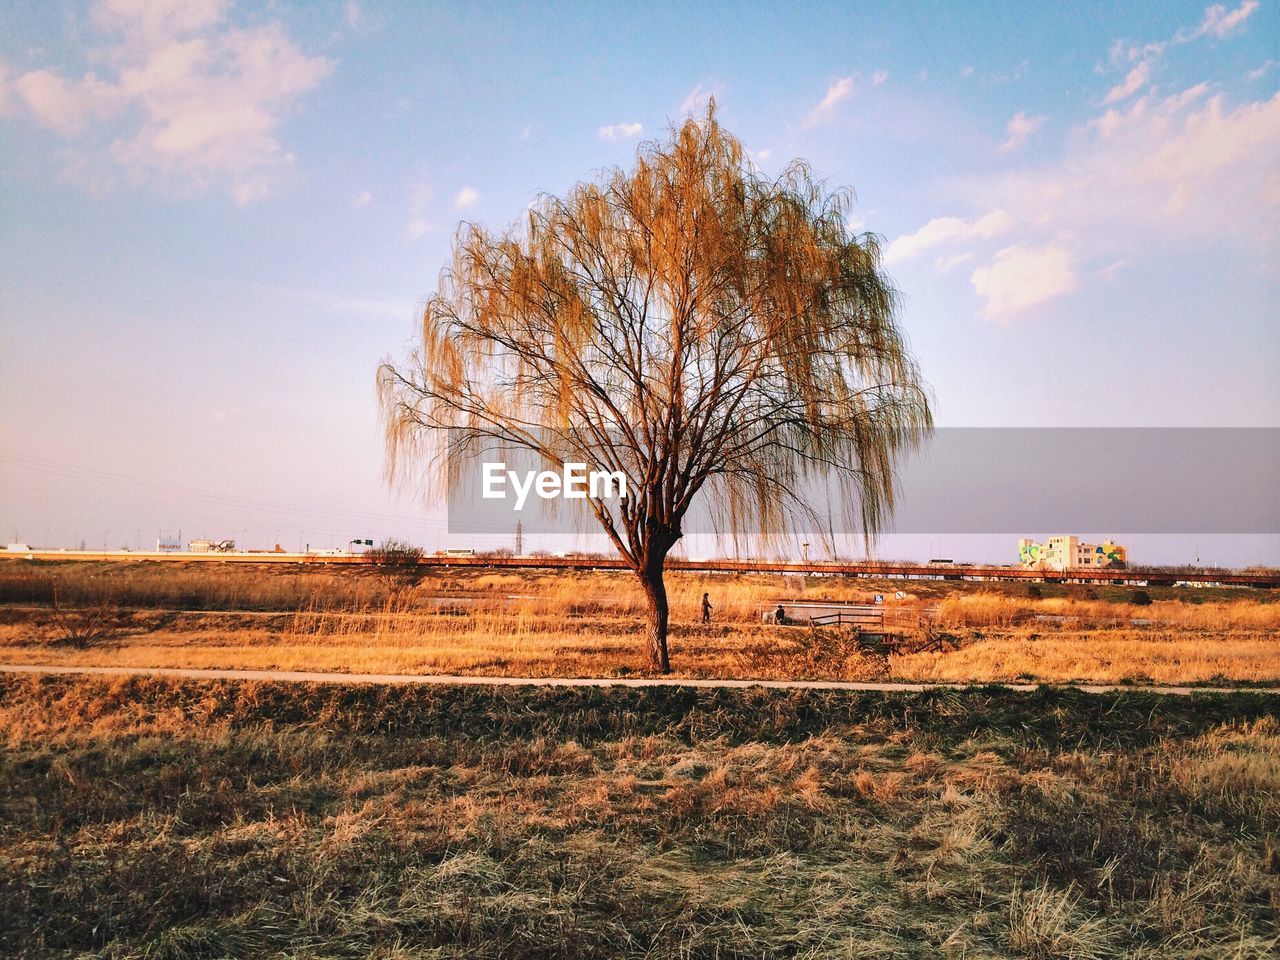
690 322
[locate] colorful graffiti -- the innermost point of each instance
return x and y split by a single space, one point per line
1109 554
1067 552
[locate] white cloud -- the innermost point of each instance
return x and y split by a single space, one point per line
1252 75
1134 81
966 70
420 197
148 20
466 197
695 104
942 230
1218 22
361 200
1163 164
1155 174
189 99
763 155
1018 129
1183 172
620 131
67 106
1021 277
879 77
354 14
839 91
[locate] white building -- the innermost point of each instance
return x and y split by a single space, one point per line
1069 553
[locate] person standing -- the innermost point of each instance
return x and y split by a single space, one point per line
706 608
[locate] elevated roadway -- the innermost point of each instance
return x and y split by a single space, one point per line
1268 579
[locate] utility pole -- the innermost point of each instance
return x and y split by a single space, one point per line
519 539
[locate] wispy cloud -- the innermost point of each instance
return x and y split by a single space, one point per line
942 230
188 99
465 199
1257 74
695 104
420 197
1018 129
354 14
341 303
839 91
621 131
1186 168
361 200
1218 22
879 77
1134 81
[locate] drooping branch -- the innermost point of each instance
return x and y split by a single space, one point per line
691 323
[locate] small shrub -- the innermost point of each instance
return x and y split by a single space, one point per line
1140 598
81 629
1035 591
398 563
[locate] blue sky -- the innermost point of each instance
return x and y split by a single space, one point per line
217 217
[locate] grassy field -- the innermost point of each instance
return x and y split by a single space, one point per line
589 624
144 818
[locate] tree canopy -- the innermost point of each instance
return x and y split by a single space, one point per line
703 328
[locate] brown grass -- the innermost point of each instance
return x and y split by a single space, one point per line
998 610
155 819
589 624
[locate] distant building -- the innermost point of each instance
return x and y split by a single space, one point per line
212 546
1069 553
169 545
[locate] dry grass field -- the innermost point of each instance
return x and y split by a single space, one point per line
145 818
589 624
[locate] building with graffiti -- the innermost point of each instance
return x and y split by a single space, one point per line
1069 553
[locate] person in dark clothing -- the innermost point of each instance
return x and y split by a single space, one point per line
780 616
706 608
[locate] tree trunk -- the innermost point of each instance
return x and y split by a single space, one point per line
655 591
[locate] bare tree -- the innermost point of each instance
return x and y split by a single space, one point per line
690 322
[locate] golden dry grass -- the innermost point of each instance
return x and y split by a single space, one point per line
590 624
145 818
986 609
1105 656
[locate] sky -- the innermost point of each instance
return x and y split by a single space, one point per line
217 217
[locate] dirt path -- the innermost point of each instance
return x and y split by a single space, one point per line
297 676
